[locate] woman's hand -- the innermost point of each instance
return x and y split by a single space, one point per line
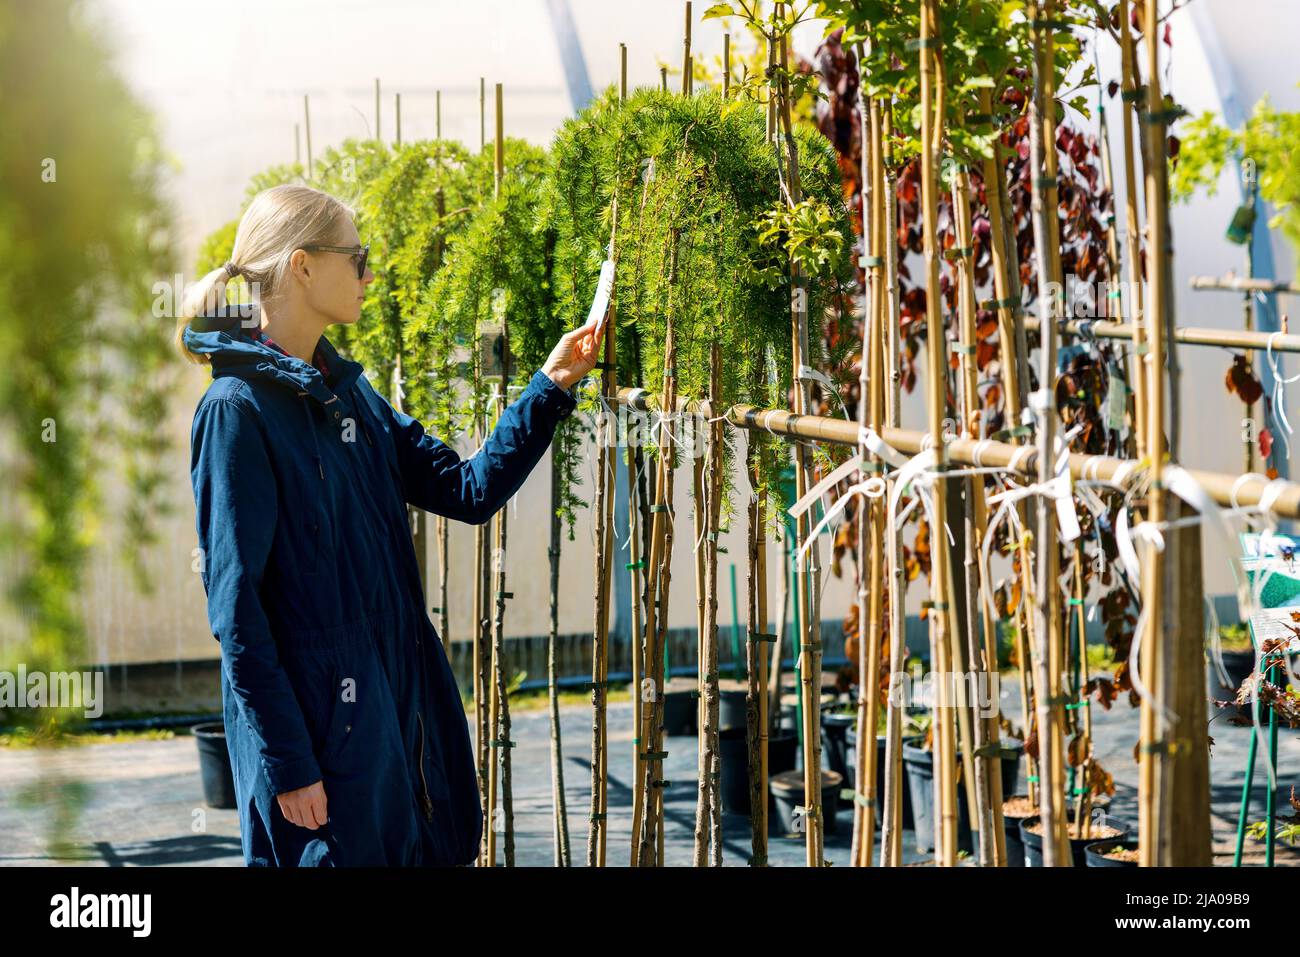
573 356
305 806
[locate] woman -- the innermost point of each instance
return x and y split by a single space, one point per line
347 737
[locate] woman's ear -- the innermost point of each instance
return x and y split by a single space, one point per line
298 265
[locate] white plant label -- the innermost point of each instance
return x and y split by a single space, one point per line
600 305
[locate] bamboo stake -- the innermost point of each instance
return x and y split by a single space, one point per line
981 655
397 116
941 592
726 66
1131 98
500 703
663 78
560 819
706 833
597 835
871 523
805 578
437 114
1157 661
378 137
306 125
648 829
697 525
756 703
1186 335
297 145
686 54
622 72
891 829
482 114
1050 713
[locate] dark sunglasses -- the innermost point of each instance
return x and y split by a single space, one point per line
362 251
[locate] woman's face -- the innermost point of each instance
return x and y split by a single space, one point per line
335 291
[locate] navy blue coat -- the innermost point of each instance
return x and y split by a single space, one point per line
331 670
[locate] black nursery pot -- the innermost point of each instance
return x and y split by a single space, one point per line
1078 846
733 745
850 779
1011 828
919 765
1239 665
1096 853
214 765
679 711
787 790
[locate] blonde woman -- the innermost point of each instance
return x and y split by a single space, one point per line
347 737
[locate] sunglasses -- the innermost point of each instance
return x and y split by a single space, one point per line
362 252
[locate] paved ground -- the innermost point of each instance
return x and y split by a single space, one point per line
143 802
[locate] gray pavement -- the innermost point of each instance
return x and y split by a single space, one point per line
143 801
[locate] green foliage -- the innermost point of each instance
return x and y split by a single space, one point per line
1269 137
695 175
85 235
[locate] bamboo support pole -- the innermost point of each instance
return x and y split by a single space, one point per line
647 818
378 137
606 480
686 54
891 829
726 66
936 352
1130 99
756 659
306 126
708 806
560 817
437 114
1047 637
297 144
981 654
1247 284
622 72
1284 500
806 579
397 116
1185 335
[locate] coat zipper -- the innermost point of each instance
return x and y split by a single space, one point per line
428 804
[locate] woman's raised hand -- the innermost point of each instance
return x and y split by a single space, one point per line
573 356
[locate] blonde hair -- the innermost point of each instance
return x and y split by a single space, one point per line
277 221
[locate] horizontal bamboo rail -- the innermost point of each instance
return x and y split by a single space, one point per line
1240 284
963 451
1227 338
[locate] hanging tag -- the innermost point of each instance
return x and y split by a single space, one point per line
1116 402
600 305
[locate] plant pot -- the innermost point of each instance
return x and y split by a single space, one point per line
1078 846
1238 665
851 779
919 765
680 704
214 765
733 745
835 746
787 791
1011 828
1097 850
731 704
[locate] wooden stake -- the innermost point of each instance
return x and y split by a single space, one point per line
306 125
1132 235
397 116
297 145
622 72
482 114
378 137
437 114
726 66
560 825
1050 710
686 54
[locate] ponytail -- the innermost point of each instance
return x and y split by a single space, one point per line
202 298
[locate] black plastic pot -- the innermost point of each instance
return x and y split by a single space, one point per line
1238 665
919 765
734 747
214 765
1097 850
680 707
851 779
835 745
1011 828
1078 846
787 791
731 704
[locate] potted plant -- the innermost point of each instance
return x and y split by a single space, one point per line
1092 831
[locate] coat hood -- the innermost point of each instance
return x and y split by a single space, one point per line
221 336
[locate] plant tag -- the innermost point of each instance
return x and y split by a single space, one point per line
1116 401
600 305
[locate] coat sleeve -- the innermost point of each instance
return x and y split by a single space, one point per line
436 479
235 502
